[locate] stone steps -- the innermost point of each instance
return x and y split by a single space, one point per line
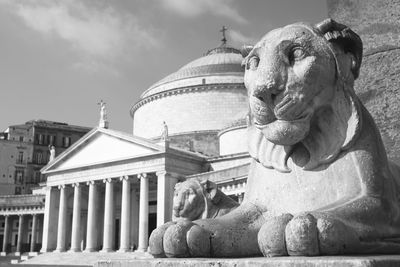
82 258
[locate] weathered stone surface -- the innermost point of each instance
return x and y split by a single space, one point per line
378 24
317 156
328 261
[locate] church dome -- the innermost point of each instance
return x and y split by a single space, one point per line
218 61
199 99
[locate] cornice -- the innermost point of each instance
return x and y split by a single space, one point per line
186 90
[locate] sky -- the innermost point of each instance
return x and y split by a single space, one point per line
59 58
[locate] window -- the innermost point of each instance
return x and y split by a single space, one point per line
20 157
40 139
21 139
36 177
19 175
66 141
39 157
18 192
52 140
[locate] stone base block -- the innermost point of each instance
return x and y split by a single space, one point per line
327 261
17 254
33 254
15 261
25 257
3 254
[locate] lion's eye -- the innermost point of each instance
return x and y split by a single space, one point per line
252 63
296 53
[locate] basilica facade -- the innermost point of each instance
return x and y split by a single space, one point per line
110 189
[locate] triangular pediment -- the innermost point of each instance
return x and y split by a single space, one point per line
102 146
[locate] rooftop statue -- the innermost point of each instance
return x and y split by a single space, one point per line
164 133
319 182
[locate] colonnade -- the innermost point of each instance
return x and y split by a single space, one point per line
21 232
165 184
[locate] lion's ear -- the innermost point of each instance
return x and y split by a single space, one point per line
345 38
245 51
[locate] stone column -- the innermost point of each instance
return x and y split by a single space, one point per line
125 214
108 216
144 213
62 219
33 233
6 235
165 192
49 235
76 219
20 233
91 229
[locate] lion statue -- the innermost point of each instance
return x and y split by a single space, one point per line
200 200
319 182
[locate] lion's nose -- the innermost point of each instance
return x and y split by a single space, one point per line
267 90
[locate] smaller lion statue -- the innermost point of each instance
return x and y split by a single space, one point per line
195 200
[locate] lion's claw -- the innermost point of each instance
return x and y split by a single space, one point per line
180 239
305 235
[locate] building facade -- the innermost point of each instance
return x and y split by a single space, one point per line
24 150
109 190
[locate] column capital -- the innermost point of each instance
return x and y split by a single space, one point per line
160 173
34 215
61 186
91 182
142 175
108 180
171 174
124 177
75 184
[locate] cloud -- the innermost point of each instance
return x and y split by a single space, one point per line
97 32
194 8
240 39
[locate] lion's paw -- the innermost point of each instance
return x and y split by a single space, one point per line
180 239
305 235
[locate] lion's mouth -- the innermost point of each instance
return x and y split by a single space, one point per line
283 107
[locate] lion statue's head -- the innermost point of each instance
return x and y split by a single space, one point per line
189 200
302 103
195 199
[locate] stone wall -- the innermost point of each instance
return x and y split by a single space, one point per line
201 109
205 143
233 141
378 24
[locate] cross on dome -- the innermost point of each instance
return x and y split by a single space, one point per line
223 40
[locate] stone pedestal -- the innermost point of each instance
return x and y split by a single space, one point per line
328 261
